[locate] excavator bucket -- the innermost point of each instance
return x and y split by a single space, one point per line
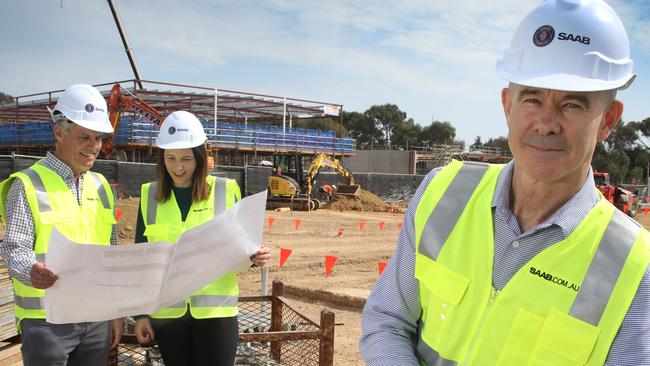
348 189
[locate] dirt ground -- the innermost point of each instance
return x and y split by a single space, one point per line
311 236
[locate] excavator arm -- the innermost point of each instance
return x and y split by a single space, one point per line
323 160
117 104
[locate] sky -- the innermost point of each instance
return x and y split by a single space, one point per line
434 59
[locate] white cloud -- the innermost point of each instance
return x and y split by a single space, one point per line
432 56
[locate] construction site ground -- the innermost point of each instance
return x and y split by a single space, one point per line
334 231
316 235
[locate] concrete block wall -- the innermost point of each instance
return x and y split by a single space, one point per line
251 179
381 161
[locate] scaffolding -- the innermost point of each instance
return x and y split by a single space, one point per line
235 122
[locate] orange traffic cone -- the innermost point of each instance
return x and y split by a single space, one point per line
340 234
271 220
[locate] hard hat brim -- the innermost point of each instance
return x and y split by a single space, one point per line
565 82
179 145
103 127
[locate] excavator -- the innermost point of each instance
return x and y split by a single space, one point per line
290 186
117 104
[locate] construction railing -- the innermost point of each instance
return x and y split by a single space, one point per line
271 332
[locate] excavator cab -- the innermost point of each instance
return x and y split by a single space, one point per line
290 183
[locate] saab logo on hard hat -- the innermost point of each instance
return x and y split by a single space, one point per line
543 36
90 108
575 38
172 130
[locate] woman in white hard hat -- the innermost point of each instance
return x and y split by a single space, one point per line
202 329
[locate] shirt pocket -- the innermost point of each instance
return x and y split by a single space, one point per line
444 289
557 340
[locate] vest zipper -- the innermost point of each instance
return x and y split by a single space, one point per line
472 348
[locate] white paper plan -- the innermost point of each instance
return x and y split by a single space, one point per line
98 282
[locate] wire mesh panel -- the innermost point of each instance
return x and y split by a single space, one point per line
271 332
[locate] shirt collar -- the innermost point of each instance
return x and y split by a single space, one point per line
568 217
58 166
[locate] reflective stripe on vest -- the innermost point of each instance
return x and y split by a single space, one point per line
52 203
428 355
29 303
604 269
213 300
445 215
219 199
219 298
44 204
41 194
101 190
207 301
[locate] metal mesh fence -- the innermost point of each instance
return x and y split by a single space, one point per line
296 343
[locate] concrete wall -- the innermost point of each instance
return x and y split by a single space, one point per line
251 179
381 161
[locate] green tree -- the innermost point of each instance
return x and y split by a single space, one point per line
6 98
615 162
439 133
407 134
386 117
477 142
500 142
318 123
362 129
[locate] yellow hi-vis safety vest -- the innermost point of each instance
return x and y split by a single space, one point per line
52 203
163 222
564 307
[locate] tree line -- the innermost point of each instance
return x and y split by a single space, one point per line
625 155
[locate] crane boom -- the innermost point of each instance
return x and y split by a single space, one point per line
125 42
117 104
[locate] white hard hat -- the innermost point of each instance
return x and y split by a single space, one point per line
180 130
570 45
85 106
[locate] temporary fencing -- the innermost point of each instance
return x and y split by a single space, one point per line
271 332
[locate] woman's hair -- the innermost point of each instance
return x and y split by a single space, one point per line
200 188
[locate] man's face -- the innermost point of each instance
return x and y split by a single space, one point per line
78 147
552 134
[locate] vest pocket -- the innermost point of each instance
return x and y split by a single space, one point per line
54 217
564 340
521 338
442 290
557 340
155 232
107 217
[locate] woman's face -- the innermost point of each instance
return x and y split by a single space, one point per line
180 164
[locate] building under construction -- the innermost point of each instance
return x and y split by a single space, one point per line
242 128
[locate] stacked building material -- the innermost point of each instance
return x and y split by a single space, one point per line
7 318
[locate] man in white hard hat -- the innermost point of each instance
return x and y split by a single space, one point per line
59 190
525 263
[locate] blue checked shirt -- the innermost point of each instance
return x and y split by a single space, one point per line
389 319
17 249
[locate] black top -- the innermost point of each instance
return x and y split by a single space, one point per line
184 202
